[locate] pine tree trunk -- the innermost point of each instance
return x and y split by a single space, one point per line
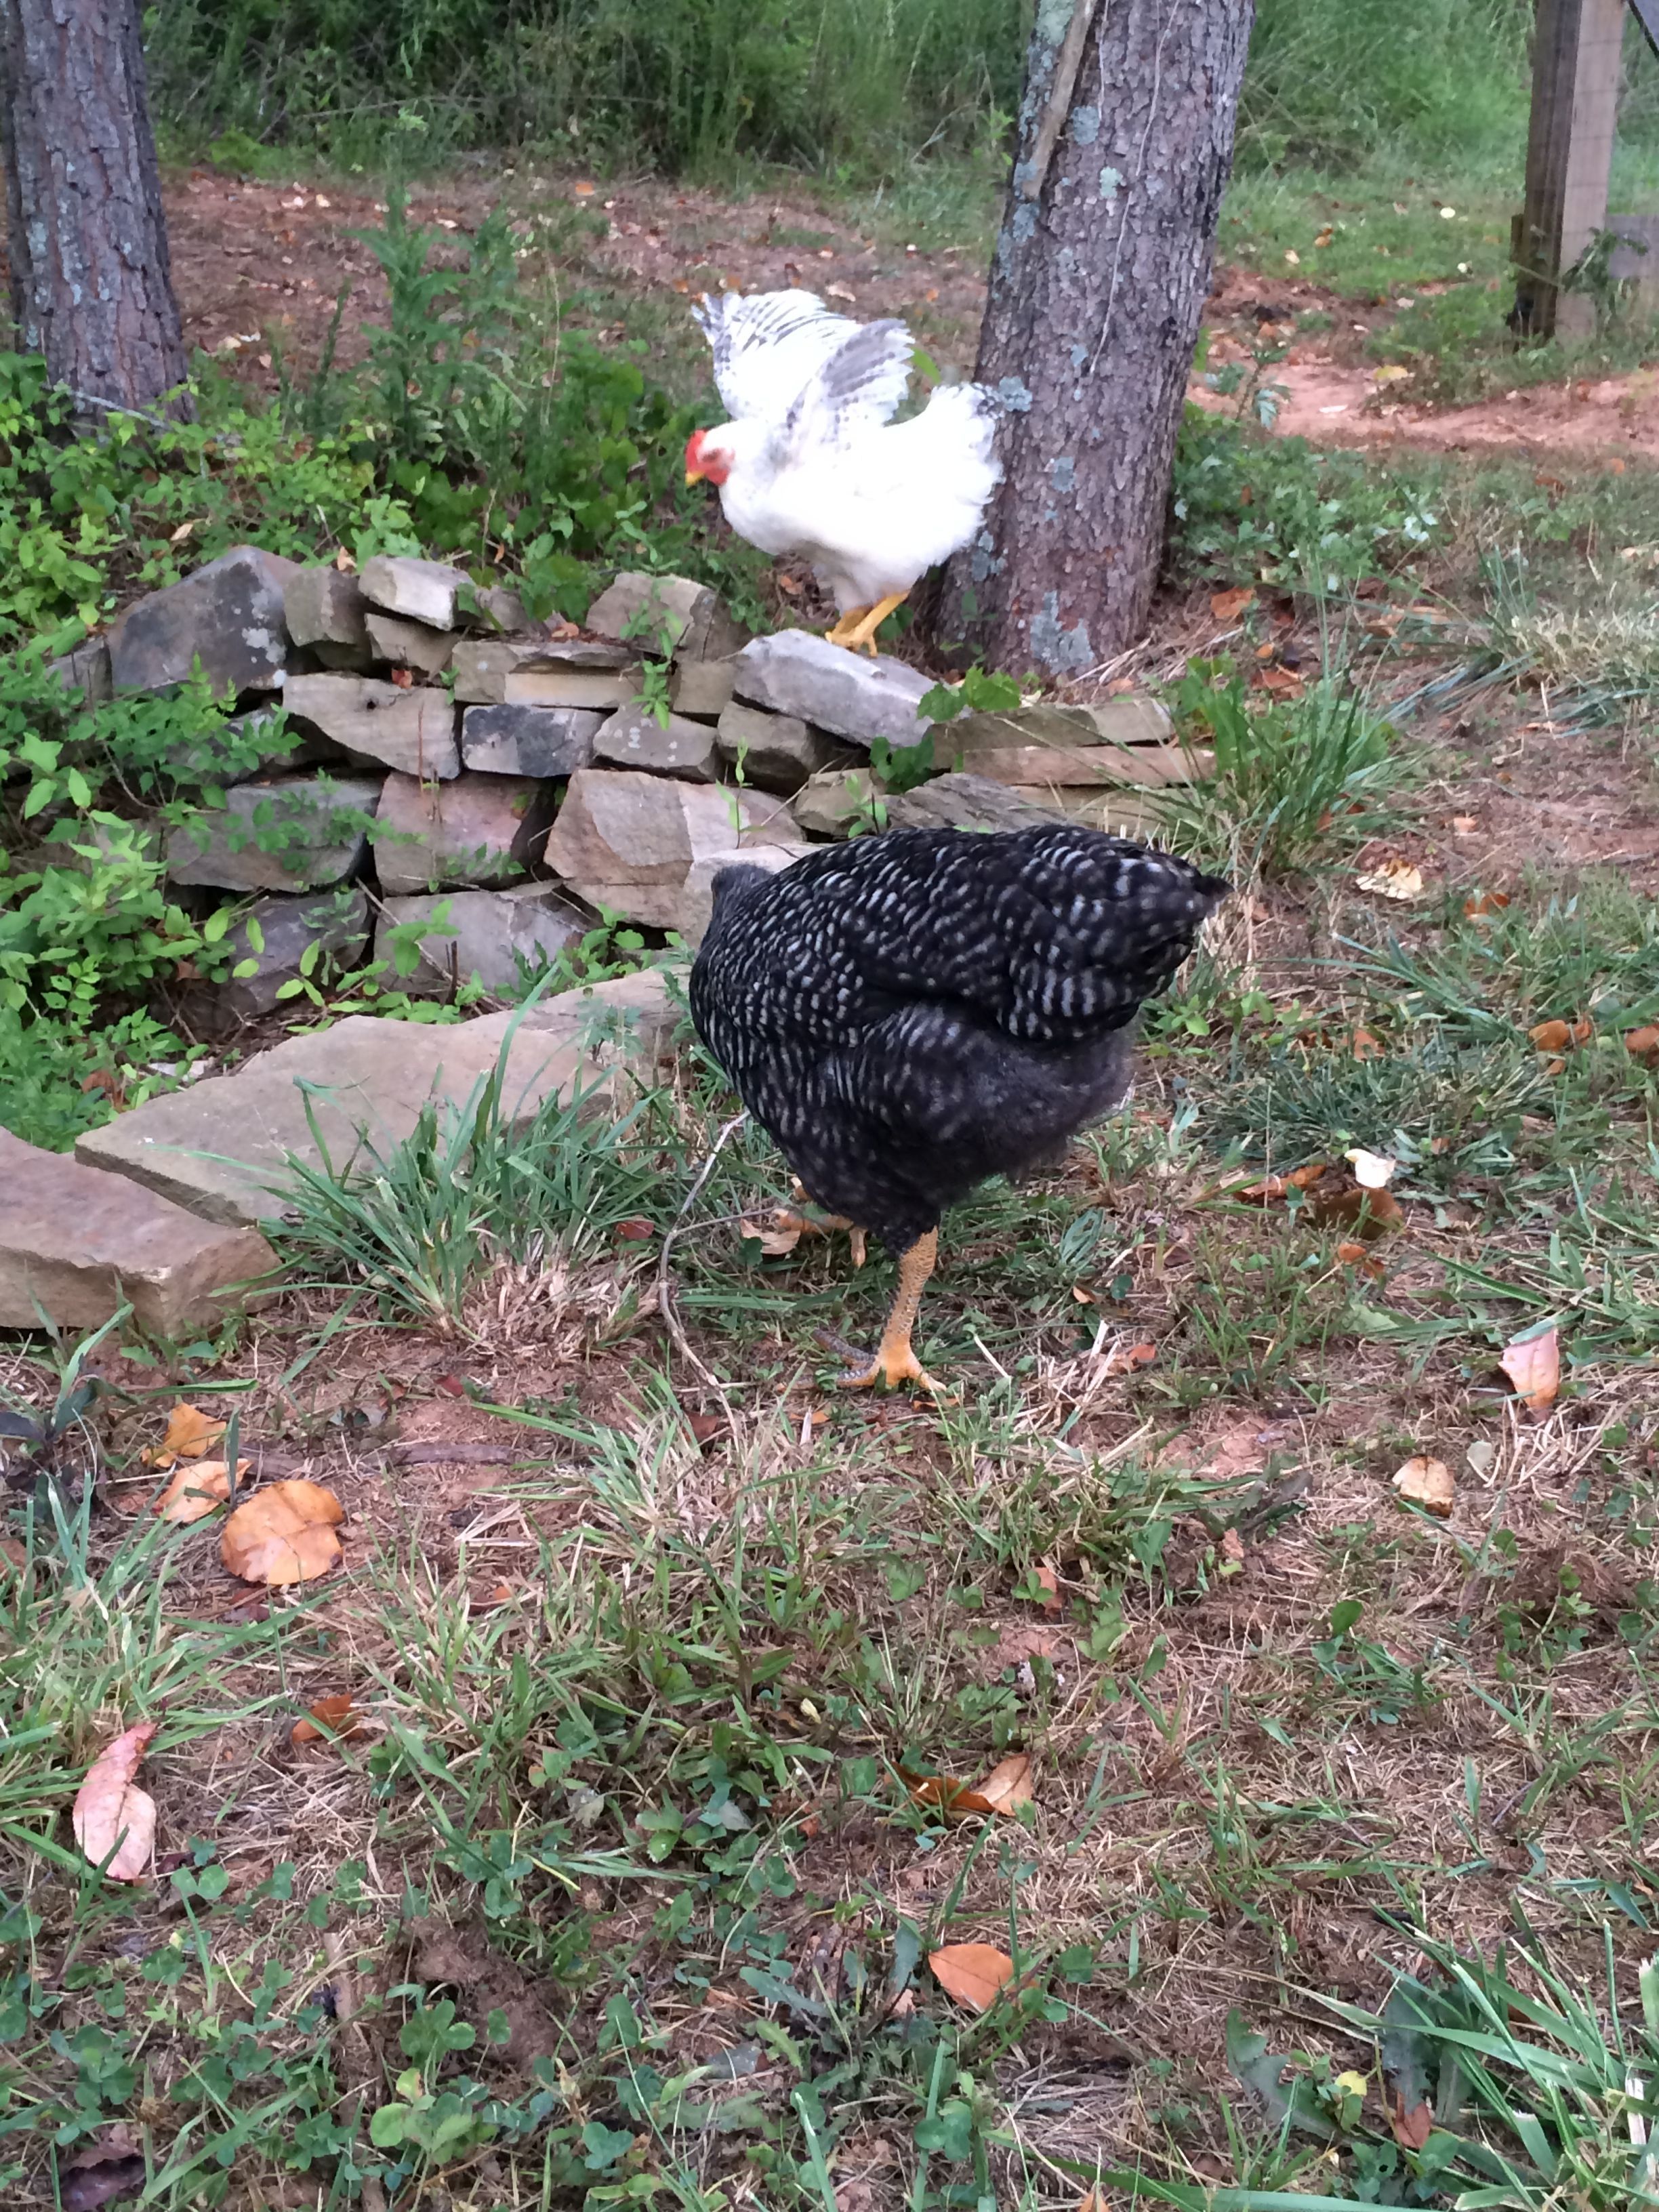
92 286
1101 273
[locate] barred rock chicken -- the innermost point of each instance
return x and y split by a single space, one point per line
914 1011
811 467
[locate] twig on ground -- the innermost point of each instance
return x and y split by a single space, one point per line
664 1281
354 2042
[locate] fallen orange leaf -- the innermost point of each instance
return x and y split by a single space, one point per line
1355 1255
1485 903
1227 607
1127 1359
1367 1045
972 1974
284 1534
1369 1213
189 1433
338 1717
1643 1044
1008 1786
1411 2128
1561 1037
1428 1483
953 1798
108 1806
197 1488
1532 1363
1049 1581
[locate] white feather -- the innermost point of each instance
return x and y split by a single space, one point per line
818 471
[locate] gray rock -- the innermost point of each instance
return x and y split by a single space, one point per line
776 753
1135 718
1120 741
633 737
86 670
702 688
411 729
411 644
498 671
326 609
76 1243
697 899
229 614
501 609
263 743
475 829
656 614
830 804
628 842
95 841
489 934
966 802
529 740
795 672
423 590
221 1147
276 935
316 829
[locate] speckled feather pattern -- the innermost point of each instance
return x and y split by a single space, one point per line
914 1011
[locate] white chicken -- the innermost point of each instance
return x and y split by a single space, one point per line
811 466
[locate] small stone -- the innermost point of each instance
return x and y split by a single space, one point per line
795 672
628 842
1124 740
498 671
228 615
316 829
702 688
413 730
489 934
262 743
633 737
410 644
85 671
501 609
423 590
475 829
776 753
337 921
77 1244
1135 718
663 615
529 740
220 1146
830 804
697 900
326 609
966 802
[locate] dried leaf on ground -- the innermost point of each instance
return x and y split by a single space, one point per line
1365 1044
1533 1364
1353 1254
1411 2128
106 2173
1227 607
972 1974
956 1799
1008 1786
1562 1037
108 1806
13 1556
638 1231
326 1717
1128 1359
1049 1581
1369 1213
1016 1646
1393 880
1428 1483
189 1433
1233 1547
1275 1187
284 1534
775 1244
1484 903
1643 1044
199 1487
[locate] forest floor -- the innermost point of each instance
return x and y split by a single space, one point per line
664 1671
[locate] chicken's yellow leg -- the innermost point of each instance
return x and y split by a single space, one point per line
895 1362
845 626
864 632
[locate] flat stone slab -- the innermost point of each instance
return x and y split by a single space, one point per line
697 899
220 1149
1133 718
529 740
489 671
794 671
326 609
475 830
488 934
77 1243
410 644
274 938
626 840
776 753
703 687
230 614
829 804
423 590
316 826
412 729
633 737
665 614
967 802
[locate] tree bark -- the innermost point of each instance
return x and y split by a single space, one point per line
91 281
1101 273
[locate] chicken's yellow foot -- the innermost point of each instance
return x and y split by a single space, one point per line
894 1361
845 626
815 1224
863 634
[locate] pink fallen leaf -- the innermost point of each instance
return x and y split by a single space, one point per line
1532 1363
109 1809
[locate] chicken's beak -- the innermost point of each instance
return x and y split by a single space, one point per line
695 475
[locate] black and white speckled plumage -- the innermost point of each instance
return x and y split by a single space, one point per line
909 1013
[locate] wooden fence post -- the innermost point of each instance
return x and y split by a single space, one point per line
1575 102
